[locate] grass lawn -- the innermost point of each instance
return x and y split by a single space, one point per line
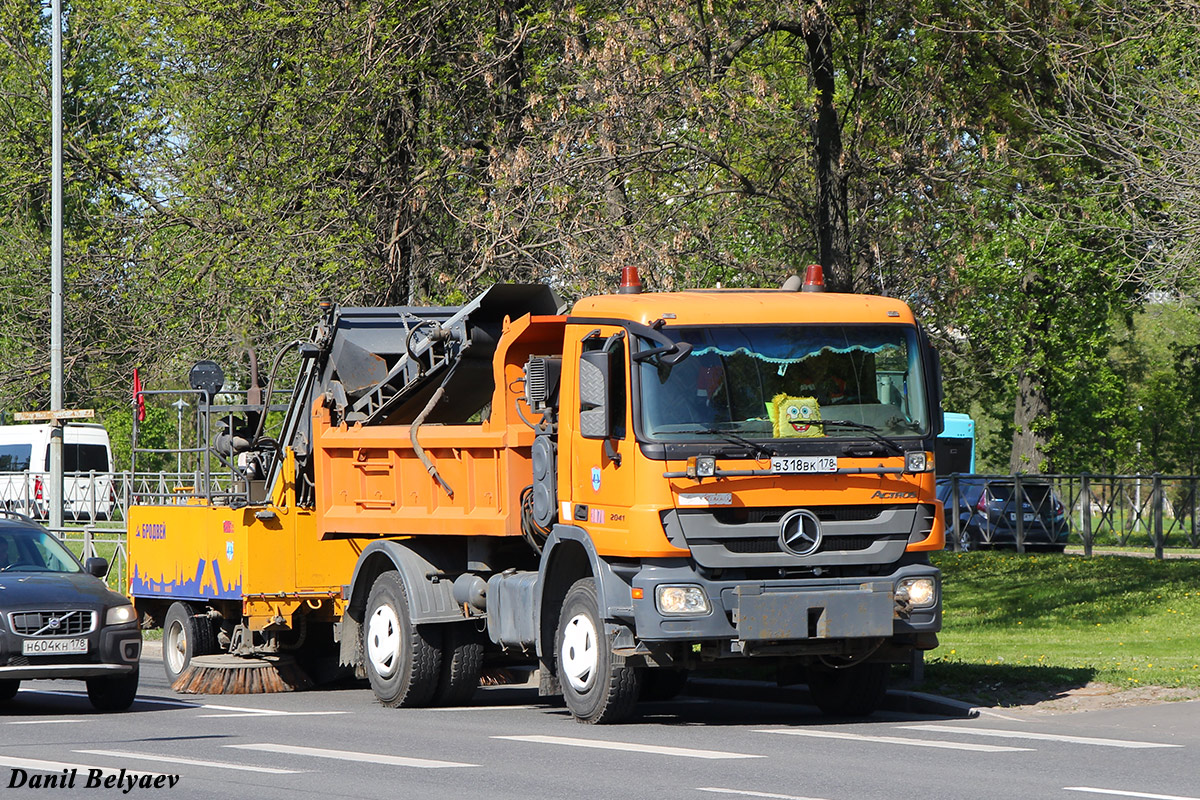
1020 624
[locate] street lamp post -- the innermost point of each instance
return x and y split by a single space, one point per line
179 405
56 268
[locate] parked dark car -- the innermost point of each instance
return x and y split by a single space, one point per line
988 512
59 620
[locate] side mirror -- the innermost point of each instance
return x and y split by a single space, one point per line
595 383
96 566
933 377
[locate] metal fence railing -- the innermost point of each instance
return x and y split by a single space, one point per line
1150 512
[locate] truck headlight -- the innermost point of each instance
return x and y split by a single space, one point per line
119 615
919 592
681 600
918 461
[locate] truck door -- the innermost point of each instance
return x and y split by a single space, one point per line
602 464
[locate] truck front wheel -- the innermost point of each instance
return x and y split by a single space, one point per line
848 692
597 685
403 659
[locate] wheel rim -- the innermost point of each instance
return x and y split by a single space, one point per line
579 654
175 648
965 541
383 641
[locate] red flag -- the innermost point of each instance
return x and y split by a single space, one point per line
139 399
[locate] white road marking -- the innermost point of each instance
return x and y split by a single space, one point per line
744 793
241 711
38 765
349 755
1044 737
1123 793
243 714
194 762
631 747
978 748
56 721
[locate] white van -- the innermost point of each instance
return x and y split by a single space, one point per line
87 470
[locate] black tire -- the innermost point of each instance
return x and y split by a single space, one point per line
855 691
403 660
662 684
462 664
598 686
113 694
187 633
8 689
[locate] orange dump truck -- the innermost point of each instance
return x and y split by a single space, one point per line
645 485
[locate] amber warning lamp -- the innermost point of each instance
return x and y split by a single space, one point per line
814 279
631 282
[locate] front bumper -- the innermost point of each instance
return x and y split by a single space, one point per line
786 609
112 650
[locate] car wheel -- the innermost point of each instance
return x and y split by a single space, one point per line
186 635
597 685
403 660
849 692
113 694
966 541
8 689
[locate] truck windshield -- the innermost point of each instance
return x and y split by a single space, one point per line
785 382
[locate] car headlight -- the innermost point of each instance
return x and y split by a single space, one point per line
119 615
918 592
684 599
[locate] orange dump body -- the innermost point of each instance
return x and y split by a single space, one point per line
371 482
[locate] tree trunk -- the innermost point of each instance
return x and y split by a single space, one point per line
833 218
1029 443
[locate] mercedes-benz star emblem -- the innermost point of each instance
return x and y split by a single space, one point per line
800 532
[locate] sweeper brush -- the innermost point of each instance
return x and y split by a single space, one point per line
226 674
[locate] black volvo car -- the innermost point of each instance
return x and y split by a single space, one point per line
59 620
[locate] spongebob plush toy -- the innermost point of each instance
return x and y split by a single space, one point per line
793 416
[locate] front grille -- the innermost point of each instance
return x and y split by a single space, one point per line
751 516
64 622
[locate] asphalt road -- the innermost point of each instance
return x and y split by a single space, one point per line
738 743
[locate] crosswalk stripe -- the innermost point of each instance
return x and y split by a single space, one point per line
1045 737
192 761
818 734
1125 793
632 747
349 755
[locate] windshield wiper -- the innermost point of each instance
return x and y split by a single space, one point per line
871 431
733 438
